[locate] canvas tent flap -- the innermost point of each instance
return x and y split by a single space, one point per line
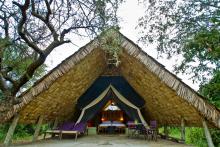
92 108
102 83
89 112
124 100
94 102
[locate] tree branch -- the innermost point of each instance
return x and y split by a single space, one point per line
45 20
6 25
48 10
21 23
28 74
65 31
31 68
53 45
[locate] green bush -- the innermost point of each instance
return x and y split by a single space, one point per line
196 136
21 131
175 132
3 131
215 137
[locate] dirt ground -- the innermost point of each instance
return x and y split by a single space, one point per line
101 141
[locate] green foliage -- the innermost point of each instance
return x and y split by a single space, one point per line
17 58
34 32
215 137
3 131
211 90
196 137
190 28
174 132
44 128
110 41
203 49
21 131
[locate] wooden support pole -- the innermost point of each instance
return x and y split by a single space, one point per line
55 123
207 134
11 130
166 131
182 129
37 130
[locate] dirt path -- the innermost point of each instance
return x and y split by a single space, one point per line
102 141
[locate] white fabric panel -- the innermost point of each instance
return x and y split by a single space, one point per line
124 100
95 101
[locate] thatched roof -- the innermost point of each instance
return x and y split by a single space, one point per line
167 98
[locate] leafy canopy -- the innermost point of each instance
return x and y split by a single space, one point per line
211 90
31 29
189 28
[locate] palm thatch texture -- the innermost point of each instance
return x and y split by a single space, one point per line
167 98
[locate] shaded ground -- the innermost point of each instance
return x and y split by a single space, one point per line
101 141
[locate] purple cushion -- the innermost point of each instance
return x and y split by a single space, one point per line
66 126
153 124
80 127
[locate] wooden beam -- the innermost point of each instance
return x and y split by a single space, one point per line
207 134
11 130
37 130
166 133
182 129
55 123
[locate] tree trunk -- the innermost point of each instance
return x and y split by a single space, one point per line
37 130
11 130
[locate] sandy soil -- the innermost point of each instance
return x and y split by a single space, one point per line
101 141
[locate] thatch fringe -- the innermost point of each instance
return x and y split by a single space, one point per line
182 90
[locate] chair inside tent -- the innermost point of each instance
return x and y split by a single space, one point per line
110 102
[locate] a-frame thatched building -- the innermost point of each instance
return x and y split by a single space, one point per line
167 99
